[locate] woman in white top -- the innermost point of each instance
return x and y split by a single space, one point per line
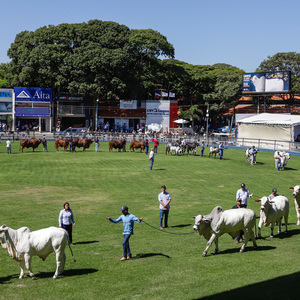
65 220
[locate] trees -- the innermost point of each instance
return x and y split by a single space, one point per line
93 59
284 61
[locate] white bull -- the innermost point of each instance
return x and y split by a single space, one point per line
231 221
284 157
272 211
176 149
296 194
213 151
22 244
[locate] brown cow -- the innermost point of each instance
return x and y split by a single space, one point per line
136 145
85 143
116 145
62 143
27 143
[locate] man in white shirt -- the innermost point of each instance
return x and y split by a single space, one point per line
243 194
8 146
164 199
151 158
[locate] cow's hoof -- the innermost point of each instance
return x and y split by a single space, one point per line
34 278
216 252
204 254
271 236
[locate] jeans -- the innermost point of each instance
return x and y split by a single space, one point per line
221 153
278 164
151 163
71 147
96 147
146 150
155 149
125 244
68 228
163 213
202 151
8 150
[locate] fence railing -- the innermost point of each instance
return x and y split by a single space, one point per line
229 141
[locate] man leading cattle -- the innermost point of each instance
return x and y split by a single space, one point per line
243 194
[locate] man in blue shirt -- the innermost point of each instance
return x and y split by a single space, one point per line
221 148
128 222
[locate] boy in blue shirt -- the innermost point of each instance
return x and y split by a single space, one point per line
128 222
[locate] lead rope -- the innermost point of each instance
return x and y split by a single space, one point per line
167 231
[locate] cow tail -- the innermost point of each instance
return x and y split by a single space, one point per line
72 253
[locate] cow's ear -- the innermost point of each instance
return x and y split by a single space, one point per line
257 200
194 217
291 188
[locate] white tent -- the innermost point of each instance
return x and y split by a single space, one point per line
278 127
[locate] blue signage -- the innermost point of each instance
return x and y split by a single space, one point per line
33 112
33 94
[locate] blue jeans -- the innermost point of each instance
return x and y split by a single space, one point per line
278 165
151 163
8 150
163 213
221 153
202 151
146 150
125 244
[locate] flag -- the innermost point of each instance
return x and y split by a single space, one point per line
171 95
164 94
157 94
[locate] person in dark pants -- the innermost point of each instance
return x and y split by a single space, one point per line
146 146
156 143
202 148
128 222
71 144
239 238
164 199
65 220
124 145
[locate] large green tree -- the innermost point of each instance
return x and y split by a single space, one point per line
93 59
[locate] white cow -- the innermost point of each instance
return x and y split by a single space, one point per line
285 156
272 211
251 158
231 221
259 83
296 194
213 151
176 149
22 244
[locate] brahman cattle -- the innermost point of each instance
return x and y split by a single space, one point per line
285 156
30 143
214 151
272 211
191 147
136 145
62 143
173 146
296 194
116 145
248 155
231 221
22 245
85 143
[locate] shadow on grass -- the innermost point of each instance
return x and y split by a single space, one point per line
158 169
283 287
86 242
182 225
67 273
282 235
248 248
145 255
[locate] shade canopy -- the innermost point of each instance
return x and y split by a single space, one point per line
181 121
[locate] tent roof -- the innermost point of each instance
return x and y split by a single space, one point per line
272 119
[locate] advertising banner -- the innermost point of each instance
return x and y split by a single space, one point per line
128 104
33 94
33 112
267 82
158 111
6 95
6 107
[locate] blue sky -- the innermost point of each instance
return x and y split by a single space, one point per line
236 32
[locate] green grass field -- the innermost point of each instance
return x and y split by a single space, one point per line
34 187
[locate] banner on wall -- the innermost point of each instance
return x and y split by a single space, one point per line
128 104
33 94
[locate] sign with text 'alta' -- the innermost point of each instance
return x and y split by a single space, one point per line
33 94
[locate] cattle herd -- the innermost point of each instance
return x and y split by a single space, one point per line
243 220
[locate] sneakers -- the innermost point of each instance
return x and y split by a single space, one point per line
128 257
123 258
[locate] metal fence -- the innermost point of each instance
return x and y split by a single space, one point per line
229 141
